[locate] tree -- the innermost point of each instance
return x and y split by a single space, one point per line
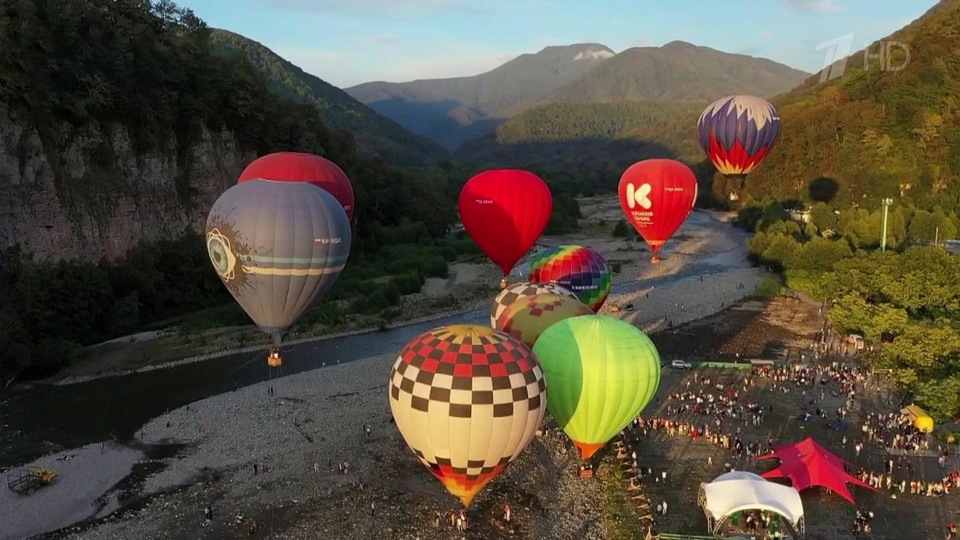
782 252
824 189
822 254
621 230
822 217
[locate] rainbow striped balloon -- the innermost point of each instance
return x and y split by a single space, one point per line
576 268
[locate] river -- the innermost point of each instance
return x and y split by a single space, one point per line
43 419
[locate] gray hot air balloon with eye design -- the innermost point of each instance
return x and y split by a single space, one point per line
278 247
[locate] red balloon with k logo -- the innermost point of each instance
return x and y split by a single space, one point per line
657 195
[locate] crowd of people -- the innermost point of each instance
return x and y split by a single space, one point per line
719 408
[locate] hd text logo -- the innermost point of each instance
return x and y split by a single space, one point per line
888 55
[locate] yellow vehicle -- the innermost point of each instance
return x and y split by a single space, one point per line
25 482
919 417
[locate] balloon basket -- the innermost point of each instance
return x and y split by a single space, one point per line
655 260
503 284
586 470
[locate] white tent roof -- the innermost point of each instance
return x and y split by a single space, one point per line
738 475
739 490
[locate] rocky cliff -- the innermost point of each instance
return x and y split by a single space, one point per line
90 195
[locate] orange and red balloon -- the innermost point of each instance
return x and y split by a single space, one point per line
301 167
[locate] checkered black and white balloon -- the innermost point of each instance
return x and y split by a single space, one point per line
467 399
521 290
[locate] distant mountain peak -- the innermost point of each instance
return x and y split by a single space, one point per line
594 54
677 44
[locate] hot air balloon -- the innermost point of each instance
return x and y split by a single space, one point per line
737 133
527 318
522 289
301 167
579 269
657 195
278 247
505 211
601 373
467 399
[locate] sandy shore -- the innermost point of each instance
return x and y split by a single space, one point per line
314 420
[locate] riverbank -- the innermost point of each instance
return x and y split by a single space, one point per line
706 236
313 420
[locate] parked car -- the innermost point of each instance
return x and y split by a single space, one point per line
680 364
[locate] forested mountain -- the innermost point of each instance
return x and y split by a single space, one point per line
119 122
878 132
678 71
647 99
670 123
375 134
120 125
453 110
595 142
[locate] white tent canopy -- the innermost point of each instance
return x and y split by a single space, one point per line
737 491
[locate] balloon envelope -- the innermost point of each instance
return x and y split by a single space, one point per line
527 318
657 195
301 167
738 132
522 289
579 269
601 373
278 247
467 400
505 211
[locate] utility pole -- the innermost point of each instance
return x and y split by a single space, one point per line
936 238
883 239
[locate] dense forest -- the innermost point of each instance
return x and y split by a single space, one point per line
151 69
664 122
375 134
878 132
905 302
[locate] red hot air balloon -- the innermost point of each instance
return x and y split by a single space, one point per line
301 167
505 211
657 195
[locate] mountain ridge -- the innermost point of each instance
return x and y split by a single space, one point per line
453 110
374 133
671 71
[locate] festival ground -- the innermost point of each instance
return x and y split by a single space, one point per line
386 493
298 435
689 462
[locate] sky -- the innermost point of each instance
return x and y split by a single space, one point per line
347 42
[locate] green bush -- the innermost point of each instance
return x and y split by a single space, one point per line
768 288
434 266
408 283
621 230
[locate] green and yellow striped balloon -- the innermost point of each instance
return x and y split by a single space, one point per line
601 373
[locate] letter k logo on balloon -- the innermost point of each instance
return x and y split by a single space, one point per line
638 197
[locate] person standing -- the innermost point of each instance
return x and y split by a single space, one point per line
506 513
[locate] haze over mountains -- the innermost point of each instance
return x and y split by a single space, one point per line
452 111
